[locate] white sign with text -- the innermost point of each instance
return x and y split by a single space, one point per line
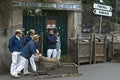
102 12
102 7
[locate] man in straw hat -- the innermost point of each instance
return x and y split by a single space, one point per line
25 55
32 61
29 37
15 47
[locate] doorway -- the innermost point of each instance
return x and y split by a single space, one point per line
42 23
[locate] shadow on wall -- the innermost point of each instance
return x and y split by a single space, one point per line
5 56
4 53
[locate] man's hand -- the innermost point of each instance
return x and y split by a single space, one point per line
57 40
38 54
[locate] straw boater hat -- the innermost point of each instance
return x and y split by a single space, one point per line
32 30
36 37
18 31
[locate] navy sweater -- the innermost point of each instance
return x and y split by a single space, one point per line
28 38
15 44
28 50
51 40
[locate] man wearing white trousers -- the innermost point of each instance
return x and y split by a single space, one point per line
15 47
25 55
58 45
51 43
32 60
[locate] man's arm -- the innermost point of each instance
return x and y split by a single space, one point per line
10 44
33 50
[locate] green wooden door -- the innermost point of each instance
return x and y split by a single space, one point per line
33 22
39 24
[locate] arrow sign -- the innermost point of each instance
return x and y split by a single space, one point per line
102 7
102 12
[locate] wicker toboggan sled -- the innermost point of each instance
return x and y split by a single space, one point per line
52 66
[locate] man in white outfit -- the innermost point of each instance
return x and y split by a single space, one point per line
58 45
32 60
25 55
51 43
15 47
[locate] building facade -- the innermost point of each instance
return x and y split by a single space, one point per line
41 15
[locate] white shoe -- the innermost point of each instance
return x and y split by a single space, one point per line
16 76
34 70
27 73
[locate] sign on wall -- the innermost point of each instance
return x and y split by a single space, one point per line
63 6
86 30
50 24
53 0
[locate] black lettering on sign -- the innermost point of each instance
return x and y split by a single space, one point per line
100 6
30 4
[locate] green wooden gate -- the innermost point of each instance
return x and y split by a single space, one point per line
39 24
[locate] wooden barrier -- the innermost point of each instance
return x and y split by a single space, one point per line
81 49
115 47
85 50
99 48
89 49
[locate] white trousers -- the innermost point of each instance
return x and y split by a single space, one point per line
32 63
15 61
25 70
58 54
23 62
51 52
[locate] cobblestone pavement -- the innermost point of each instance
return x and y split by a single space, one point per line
101 71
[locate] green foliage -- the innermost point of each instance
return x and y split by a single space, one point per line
106 2
32 12
89 17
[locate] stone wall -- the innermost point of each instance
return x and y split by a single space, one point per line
5 56
4 53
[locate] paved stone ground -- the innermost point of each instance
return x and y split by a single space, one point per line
101 71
